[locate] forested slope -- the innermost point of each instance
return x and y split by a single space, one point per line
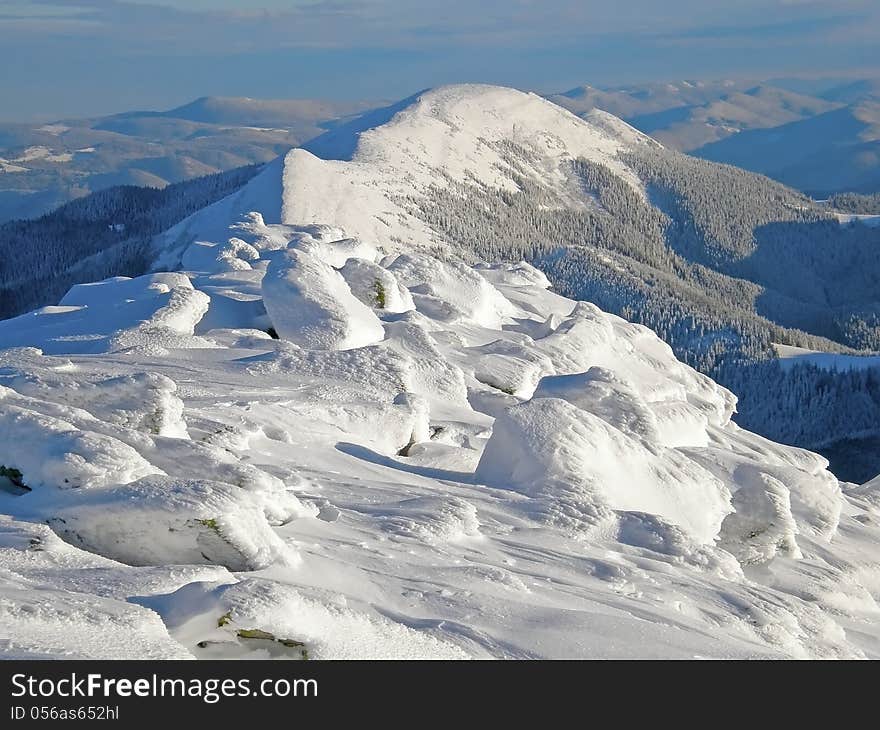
103 234
720 262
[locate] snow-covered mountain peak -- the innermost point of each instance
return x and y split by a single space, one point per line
367 175
465 115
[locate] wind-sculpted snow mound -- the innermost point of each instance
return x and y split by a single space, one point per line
58 601
111 315
39 622
235 255
507 365
589 338
519 274
143 401
784 484
449 290
762 525
51 452
158 520
376 287
429 373
99 469
602 393
311 304
578 468
265 619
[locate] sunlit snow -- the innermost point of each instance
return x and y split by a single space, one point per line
325 425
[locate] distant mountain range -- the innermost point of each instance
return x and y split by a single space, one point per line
44 166
689 115
835 151
821 143
819 140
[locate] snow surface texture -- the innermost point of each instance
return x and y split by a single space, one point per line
433 460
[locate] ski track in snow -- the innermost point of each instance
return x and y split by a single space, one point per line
435 460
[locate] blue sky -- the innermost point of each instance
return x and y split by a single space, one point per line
79 57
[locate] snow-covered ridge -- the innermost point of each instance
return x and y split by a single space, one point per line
357 175
352 443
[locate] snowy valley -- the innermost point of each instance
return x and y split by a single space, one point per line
330 423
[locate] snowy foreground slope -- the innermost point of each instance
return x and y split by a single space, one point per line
436 459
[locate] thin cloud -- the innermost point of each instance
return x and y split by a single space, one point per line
207 26
799 28
167 49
